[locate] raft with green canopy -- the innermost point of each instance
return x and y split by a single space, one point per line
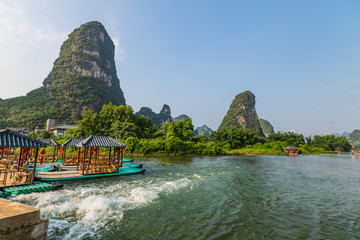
91 163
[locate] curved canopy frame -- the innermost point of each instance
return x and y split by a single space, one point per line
12 139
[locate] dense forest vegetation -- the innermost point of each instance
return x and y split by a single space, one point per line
177 138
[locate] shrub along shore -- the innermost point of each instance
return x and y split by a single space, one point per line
144 138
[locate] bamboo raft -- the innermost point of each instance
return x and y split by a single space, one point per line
21 167
31 188
76 175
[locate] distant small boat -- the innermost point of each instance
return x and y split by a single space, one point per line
291 151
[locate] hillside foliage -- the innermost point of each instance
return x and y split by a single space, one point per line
266 126
242 114
83 78
177 138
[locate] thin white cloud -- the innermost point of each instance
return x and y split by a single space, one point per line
343 82
355 91
16 27
112 27
355 80
27 49
119 50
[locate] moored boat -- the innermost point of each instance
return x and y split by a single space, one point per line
90 164
52 176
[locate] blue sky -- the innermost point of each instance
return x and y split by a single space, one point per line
301 59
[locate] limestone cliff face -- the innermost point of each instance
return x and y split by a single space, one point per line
85 72
242 114
157 119
165 114
83 77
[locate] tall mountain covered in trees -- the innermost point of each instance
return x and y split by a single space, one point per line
83 78
242 114
266 127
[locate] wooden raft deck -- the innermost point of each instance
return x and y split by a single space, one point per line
6 179
59 174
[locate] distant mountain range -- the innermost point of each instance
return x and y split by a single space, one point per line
157 118
202 131
344 134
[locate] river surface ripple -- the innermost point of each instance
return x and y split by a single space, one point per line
230 197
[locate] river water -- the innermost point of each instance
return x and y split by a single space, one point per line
229 197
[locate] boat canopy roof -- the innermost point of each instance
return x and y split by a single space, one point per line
9 138
290 147
49 142
72 142
101 141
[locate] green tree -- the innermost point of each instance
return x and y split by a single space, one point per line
44 134
290 138
309 141
3 123
236 137
131 144
123 130
90 124
111 113
331 142
115 121
146 128
182 130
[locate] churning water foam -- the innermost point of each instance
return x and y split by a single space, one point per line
78 212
